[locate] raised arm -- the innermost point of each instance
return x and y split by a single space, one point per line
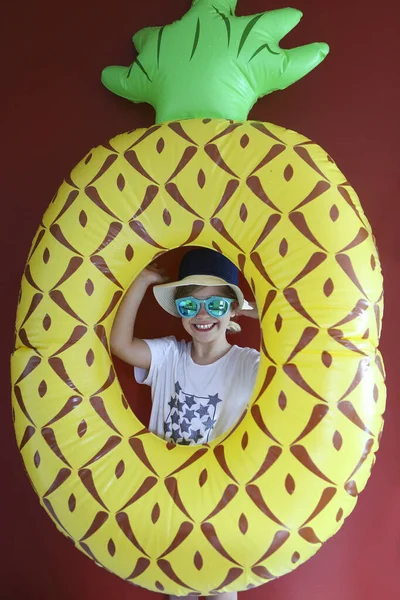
124 344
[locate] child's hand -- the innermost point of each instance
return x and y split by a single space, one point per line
153 275
253 313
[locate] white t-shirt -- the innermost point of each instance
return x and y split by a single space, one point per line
193 404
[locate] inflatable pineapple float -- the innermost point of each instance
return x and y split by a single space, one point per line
259 501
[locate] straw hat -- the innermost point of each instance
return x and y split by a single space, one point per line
201 266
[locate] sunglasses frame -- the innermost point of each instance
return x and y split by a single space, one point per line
199 302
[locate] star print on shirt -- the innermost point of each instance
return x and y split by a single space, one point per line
185 427
209 423
214 400
203 411
189 414
172 402
189 401
175 418
190 419
179 405
175 435
195 435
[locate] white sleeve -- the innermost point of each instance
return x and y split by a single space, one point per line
160 350
251 362
256 363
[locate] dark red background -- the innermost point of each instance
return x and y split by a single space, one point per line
55 110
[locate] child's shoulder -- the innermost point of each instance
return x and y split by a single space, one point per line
246 354
246 350
171 343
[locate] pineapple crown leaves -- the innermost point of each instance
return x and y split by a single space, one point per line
212 64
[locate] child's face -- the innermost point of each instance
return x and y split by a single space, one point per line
203 327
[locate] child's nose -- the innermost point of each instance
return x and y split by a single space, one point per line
202 310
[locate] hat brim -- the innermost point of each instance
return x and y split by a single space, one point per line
165 293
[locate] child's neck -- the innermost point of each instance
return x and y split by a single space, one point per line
206 354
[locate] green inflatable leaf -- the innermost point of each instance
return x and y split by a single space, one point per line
212 64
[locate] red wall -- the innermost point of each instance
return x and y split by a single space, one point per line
55 110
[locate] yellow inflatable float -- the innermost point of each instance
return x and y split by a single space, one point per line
259 501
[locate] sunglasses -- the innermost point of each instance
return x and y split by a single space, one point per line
216 306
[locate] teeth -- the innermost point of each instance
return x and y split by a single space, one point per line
204 326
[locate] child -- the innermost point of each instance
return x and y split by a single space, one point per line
199 388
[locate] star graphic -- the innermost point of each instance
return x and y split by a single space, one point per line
175 435
195 435
184 442
185 427
180 405
189 414
203 411
172 402
214 400
189 400
209 423
166 428
177 387
175 418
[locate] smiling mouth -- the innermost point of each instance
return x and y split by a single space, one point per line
204 327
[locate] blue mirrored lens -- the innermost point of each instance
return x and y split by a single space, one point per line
187 307
217 307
